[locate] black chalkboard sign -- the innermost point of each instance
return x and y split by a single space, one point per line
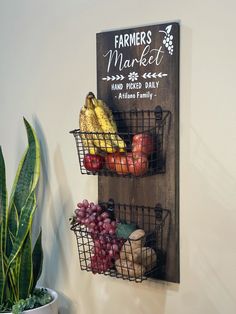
138 65
138 68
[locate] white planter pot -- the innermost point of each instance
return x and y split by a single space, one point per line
50 308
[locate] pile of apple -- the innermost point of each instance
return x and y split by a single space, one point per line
134 162
103 233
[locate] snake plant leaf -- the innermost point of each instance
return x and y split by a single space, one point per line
2 269
3 190
13 215
16 257
3 200
25 278
37 259
25 223
28 171
13 219
13 223
3 222
25 181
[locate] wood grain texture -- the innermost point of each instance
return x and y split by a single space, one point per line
160 188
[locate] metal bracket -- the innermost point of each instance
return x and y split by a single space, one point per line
158 211
158 113
111 203
111 209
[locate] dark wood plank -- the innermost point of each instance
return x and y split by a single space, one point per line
163 84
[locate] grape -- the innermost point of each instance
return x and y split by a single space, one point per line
107 220
102 231
98 208
81 214
103 252
113 223
92 225
87 221
104 215
93 207
97 243
82 221
97 250
114 241
115 247
85 203
102 240
106 226
111 231
93 218
78 220
111 253
89 211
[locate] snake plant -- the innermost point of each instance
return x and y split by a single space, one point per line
20 260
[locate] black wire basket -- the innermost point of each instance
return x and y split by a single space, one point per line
137 257
145 134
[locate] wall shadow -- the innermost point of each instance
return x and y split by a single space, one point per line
52 216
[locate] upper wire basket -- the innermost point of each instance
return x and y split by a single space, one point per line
145 133
137 257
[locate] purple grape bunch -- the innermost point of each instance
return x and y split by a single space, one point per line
103 232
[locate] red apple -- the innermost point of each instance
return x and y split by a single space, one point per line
138 164
143 143
93 162
110 161
121 164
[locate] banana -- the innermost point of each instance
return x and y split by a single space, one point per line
105 123
93 126
108 112
86 138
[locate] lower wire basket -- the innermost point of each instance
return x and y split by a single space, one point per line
136 251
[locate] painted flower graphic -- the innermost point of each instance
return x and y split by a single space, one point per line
133 76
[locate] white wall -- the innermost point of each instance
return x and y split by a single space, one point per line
47 65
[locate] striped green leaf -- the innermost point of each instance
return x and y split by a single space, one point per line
28 172
2 268
3 223
25 223
3 189
25 278
16 258
13 222
37 259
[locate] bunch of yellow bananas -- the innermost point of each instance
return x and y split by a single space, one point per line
98 128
